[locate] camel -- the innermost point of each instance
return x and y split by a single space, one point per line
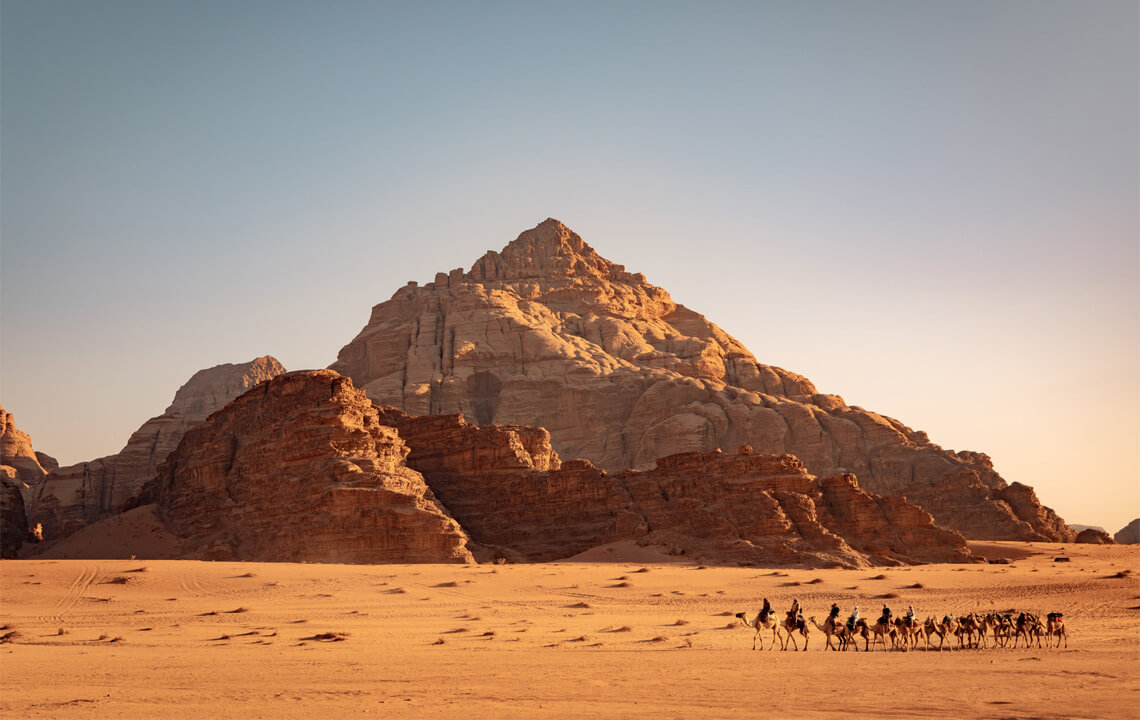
792 625
983 623
908 634
1029 626
1055 627
830 627
879 632
932 627
767 623
968 631
1035 630
949 626
1003 629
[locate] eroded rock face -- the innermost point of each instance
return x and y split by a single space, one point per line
549 334
21 470
27 466
516 499
300 469
84 493
1129 534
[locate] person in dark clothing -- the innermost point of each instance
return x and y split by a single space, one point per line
766 611
795 614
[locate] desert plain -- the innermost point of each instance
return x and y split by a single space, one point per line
616 632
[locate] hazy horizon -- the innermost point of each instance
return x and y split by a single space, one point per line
930 209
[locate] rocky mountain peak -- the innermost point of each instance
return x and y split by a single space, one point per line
210 389
548 250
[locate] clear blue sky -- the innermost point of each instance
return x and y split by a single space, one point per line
930 208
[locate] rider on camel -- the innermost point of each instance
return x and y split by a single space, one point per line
765 611
795 613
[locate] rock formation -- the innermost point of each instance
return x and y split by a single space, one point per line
1129 534
300 469
1094 536
516 499
21 470
27 467
74 496
549 334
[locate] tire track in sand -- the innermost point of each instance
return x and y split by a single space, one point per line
71 596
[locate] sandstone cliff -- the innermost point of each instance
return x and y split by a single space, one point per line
1129 534
74 496
27 467
300 469
21 470
516 499
547 333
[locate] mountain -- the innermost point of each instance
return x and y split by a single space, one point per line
74 496
548 333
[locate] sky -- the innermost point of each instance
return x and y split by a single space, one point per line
929 208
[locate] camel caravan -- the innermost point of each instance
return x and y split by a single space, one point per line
975 630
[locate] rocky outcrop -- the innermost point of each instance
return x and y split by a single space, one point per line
21 470
517 500
547 333
74 496
1129 534
1094 536
26 466
300 469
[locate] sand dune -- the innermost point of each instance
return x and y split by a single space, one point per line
622 635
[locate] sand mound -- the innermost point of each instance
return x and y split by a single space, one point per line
139 533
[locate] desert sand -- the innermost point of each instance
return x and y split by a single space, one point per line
617 632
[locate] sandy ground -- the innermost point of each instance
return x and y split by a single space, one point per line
630 638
